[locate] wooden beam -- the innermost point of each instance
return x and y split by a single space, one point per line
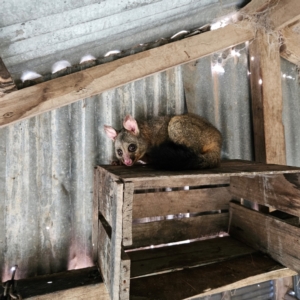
291 48
281 191
266 93
56 93
77 284
277 14
7 85
283 13
267 234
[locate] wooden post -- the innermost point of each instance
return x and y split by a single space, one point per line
266 92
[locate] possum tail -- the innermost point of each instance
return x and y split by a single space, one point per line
174 157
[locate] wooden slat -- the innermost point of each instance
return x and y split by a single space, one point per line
268 128
188 255
145 177
172 203
125 270
291 49
280 191
7 85
162 232
109 247
209 279
127 214
70 285
266 233
56 93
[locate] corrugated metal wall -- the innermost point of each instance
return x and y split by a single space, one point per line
36 34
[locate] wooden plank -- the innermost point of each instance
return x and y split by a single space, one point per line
175 230
58 92
208 279
7 85
188 255
280 191
106 195
285 12
145 177
127 214
172 203
267 234
76 284
291 49
109 247
125 270
266 95
278 13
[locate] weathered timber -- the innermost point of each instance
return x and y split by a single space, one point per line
208 279
7 84
176 202
283 13
267 234
277 14
109 247
175 230
58 92
279 191
146 177
127 214
170 258
291 49
75 285
266 93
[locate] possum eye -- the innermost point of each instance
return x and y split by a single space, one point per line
131 147
120 152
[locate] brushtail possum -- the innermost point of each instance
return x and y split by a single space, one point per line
180 142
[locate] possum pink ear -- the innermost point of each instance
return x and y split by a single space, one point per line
110 132
130 124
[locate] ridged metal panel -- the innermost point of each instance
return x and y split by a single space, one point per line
261 291
223 98
291 111
33 37
46 173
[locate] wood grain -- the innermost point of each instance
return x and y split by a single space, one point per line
145 177
58 92
188 255
109 248
7 84
267 234
283 13
127 214
168 231
280 191
266 93
172 203
76 284
291 49
209 279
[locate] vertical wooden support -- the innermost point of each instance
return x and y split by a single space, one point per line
6 83
266 91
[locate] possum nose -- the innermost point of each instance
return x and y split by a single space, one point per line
128 162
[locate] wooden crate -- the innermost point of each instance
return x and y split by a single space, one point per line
164 235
